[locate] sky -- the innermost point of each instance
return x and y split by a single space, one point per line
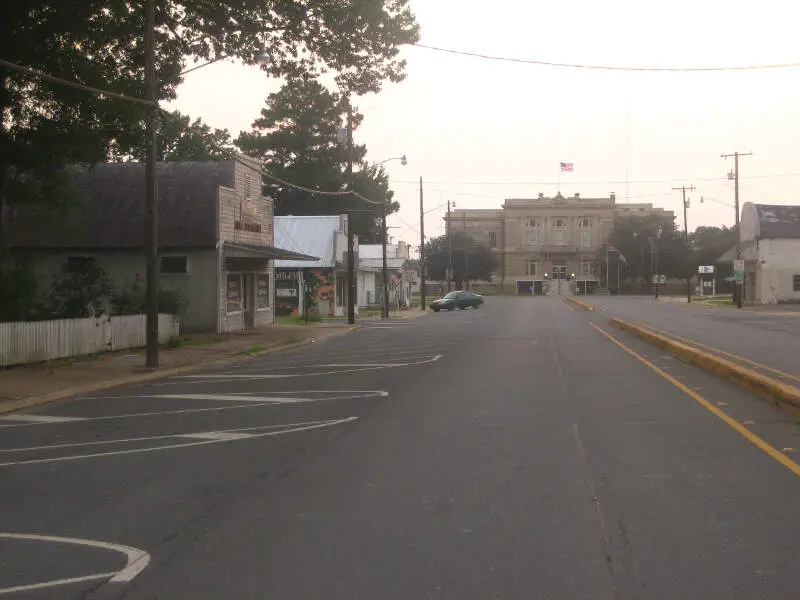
479 131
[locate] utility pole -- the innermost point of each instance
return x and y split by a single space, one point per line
351 259
466 253
422 266
449 251
683 190
739 285
385 268
151 192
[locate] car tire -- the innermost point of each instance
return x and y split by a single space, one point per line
451 308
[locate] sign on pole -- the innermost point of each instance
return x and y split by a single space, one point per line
706 270
659 279
738 270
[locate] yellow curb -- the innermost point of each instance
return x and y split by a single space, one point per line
742 376
583 305
100 386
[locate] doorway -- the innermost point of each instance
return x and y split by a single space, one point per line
560 271
248 299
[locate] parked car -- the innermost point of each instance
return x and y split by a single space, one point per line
454 300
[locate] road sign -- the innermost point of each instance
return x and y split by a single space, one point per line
706 270
658 279
738 270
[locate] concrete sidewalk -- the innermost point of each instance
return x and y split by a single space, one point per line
28 385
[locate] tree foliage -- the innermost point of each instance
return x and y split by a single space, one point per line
298 138
480 263
44 125
180 138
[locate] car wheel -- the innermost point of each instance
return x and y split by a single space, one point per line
451 308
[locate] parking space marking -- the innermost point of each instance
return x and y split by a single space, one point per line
202 378
344 395
261 434
39 418
222 436
136 562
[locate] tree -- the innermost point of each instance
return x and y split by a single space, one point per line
297 137
44 125
632 235
180 138
480 259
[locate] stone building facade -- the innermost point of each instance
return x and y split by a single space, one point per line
541 239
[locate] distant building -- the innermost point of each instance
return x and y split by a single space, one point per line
402 275
536 239
769 237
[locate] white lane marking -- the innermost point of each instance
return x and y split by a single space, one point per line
137 559
355 394
320 425
55 583
236 376
222 436
39 418
142 439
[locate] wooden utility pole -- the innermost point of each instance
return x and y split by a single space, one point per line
351 259
385 268
739 285
683 189
151 192
422 266
449 251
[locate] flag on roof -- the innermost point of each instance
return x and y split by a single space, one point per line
566 167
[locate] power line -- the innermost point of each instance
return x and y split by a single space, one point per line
73 84
546 63
600 182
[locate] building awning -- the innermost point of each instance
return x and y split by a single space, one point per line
238 250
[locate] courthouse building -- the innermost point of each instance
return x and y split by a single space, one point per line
540 239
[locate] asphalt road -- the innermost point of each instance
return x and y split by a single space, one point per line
511 452
768 337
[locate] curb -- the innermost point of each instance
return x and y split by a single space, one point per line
580 303
62 394
746 378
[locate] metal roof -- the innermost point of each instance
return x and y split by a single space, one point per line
312 235
778 221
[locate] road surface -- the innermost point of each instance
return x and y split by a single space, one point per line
770 337
511 452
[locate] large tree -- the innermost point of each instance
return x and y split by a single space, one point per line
298 136
46 125
632 236
180 138
479 263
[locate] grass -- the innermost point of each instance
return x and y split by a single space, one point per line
297 320
254 349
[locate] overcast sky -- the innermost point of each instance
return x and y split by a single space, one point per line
480 131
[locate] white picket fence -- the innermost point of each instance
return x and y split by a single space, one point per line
39 341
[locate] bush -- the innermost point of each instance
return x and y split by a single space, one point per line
79 291
131 300
18 293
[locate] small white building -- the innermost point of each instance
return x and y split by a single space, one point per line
401 277
770 246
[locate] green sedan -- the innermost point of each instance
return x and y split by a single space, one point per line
454 300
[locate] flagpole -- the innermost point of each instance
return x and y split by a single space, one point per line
559 180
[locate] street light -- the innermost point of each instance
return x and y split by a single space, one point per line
704 198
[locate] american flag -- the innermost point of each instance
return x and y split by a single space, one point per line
566 167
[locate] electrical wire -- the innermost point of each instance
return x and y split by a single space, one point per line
546 63
602 182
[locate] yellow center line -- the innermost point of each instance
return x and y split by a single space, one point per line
723 352
727 419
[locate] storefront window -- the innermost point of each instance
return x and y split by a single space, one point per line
234 293
262 291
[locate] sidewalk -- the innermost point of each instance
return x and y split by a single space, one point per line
29 385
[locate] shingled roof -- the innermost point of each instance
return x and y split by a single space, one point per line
778 221
108 210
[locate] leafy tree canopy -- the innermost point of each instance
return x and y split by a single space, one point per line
180 138
44 125
298 136
481 262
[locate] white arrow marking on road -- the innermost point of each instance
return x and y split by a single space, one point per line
317 425
137 561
